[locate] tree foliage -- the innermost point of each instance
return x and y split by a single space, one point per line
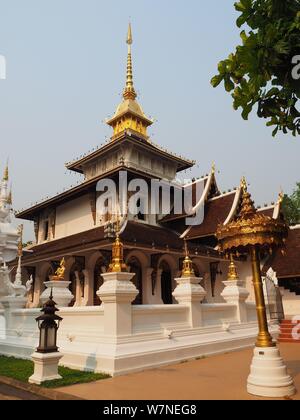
291 206
260 71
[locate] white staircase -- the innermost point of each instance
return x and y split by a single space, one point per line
291 302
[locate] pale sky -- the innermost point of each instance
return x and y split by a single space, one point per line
66 63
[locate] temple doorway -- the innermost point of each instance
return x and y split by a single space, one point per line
166 284
136 268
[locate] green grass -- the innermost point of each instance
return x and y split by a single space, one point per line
22 369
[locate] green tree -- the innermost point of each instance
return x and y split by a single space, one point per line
291 206
261 72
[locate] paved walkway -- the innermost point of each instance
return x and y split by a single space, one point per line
219 377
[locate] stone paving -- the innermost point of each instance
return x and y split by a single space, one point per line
219 377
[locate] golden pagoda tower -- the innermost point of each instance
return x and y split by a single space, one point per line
129 115
187 267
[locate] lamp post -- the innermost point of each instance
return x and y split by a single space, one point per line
46 357
48 324
252 233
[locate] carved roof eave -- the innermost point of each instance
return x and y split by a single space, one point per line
76 165
117 117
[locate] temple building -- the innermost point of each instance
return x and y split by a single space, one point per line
140 285
69 226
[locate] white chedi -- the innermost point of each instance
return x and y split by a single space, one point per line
8 233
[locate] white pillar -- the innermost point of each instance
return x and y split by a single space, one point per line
157 296
148 298
189 292
235 293
78 290
117 293
88 299
37 291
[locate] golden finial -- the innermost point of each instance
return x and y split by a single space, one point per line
9 198
187 268
60 272
244 185
213 168
281 196
5 175
117 262
232 273
129 91
129 35
20 244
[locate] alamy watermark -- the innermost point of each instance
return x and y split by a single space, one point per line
156 197
296 329
2 67
296 67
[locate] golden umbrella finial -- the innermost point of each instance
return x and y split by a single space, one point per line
129 91
244 185
252 232
187 267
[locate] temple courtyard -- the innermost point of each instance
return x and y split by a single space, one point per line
221 377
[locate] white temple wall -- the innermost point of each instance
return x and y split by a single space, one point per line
161 335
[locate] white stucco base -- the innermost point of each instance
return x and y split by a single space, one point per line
269 377
45 367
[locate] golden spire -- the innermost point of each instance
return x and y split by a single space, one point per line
187 268
129 115
232 273
5 175
129 91
117 262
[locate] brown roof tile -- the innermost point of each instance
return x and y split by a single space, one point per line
288 265
216 211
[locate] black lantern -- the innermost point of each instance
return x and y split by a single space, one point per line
48 325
